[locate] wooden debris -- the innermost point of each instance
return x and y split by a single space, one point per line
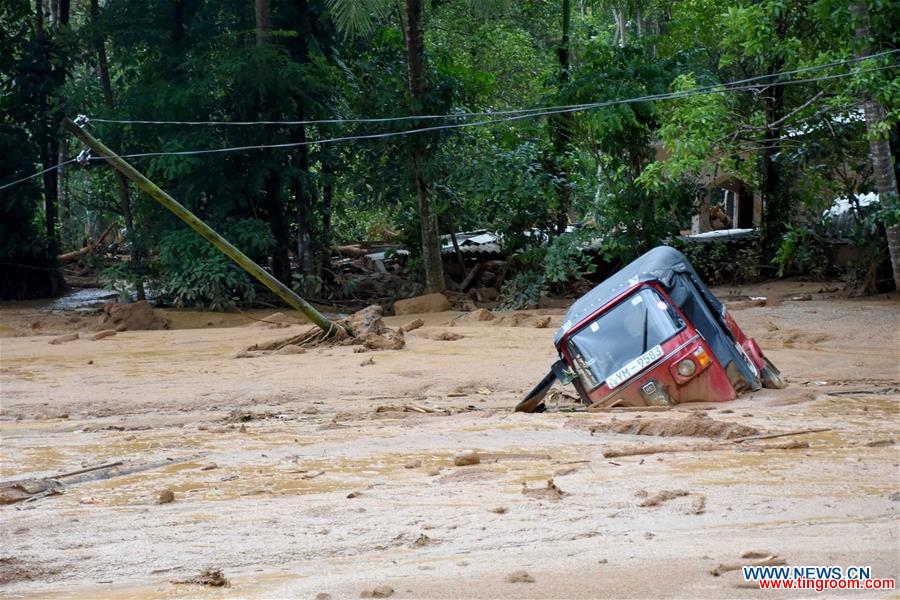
880 443
698 506
105 333
465 458
519 577
793 445
642 450
771 560
663 496
210 577
711 446
413 325
551 492
28 490
89 469
74 255
62 339
382 591
768 436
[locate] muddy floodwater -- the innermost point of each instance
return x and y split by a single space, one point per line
184 471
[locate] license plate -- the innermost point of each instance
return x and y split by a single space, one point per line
634 367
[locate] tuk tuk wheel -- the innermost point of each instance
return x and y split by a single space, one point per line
771 376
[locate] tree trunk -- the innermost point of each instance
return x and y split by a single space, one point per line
776 200
619 16
885 179
64 198
263 22
561 128
305 197
273 184
415 73
178 27
879 147
121 181
324 262
281 265
49 143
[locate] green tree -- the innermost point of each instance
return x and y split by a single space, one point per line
794 141
356 16
33 55
619 145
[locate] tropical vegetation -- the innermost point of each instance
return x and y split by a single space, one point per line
291 127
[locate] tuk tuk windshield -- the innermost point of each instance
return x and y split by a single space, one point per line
624 340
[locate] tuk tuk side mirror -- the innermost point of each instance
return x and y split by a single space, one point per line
563 373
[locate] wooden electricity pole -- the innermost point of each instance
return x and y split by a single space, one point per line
266 278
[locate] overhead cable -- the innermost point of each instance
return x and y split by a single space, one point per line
549 112
759 79
749 84
38 174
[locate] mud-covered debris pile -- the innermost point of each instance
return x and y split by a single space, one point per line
367 326
691 426
482 316
28 489
364 328
210 577
131 317
551 492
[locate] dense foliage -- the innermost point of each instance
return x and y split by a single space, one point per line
671 95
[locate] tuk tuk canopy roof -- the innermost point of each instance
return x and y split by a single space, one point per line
660 264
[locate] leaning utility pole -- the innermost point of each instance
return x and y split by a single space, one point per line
287 294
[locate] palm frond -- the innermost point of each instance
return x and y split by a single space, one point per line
357 17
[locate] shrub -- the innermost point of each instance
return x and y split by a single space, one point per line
802 251
724 262
523 291
193 272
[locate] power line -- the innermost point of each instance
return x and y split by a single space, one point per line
749 84
38 174
465 115
720 88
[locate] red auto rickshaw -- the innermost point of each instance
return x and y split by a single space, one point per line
653 334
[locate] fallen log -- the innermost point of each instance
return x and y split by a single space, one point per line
769 436
705 447
89 469
74 255
33 488
769 561
642 450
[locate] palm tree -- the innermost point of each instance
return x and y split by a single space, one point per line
879 147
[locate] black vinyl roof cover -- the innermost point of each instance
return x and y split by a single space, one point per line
660 264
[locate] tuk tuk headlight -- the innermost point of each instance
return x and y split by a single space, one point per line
686 367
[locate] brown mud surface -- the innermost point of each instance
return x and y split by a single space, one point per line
330 473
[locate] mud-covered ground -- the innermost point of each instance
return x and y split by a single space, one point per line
331 471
